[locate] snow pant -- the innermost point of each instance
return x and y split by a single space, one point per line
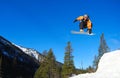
83 25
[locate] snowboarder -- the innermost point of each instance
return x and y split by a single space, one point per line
84 23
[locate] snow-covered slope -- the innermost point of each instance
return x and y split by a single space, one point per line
30 52
109 67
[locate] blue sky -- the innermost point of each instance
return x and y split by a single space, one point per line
45 24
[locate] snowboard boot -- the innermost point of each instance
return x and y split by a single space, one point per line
81 30
89 31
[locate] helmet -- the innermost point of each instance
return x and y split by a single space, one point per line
85 15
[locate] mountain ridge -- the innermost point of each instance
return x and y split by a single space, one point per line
15 59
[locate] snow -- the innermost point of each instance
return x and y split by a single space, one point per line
108 67
29 51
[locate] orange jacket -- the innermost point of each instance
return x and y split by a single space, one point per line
89 23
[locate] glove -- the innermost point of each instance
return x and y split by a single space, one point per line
75 21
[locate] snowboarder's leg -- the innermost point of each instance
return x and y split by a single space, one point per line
82 25
89 31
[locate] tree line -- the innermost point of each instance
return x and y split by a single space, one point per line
49 68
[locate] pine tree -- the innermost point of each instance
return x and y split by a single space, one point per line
44 53
102 49
51 64
68 67
48 67
95 62
90 69
42 71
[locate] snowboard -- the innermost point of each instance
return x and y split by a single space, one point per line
83 33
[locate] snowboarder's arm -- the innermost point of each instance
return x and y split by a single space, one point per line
78 19
75 20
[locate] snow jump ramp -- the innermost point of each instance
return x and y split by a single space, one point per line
108 67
